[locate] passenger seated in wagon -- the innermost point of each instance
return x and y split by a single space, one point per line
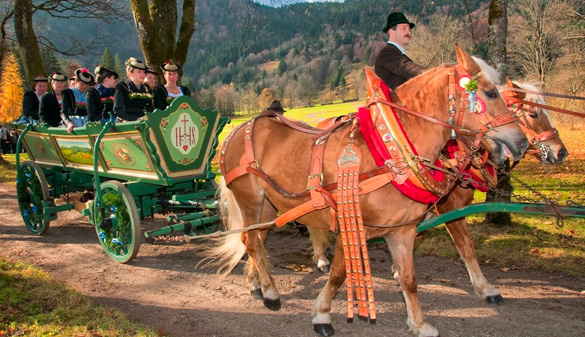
165 94
30 101
151 77
133 98
99 101
73 111
50 102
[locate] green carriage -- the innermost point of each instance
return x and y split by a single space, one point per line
118 174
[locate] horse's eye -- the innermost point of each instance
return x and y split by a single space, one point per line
532 115
491 94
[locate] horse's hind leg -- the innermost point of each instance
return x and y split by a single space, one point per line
459 232
401 243
258 276
322 316
320 240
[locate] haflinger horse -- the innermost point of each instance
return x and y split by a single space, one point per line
265 154
545 144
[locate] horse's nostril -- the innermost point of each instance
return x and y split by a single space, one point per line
563 153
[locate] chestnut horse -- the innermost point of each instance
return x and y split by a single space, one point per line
251 199
545 144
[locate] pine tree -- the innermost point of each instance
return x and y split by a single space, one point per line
108 60
50 62
11 92
119 67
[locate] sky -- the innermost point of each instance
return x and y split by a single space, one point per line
277 3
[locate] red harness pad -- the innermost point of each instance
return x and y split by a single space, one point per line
380 153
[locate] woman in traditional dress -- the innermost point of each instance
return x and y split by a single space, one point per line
133 98
30 101
164 94
50 102
150 78
100 100
73 109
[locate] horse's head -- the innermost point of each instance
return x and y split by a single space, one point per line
503 136
543 137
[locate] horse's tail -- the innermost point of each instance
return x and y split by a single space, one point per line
227 251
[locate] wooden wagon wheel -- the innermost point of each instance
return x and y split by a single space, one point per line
118 222
32 190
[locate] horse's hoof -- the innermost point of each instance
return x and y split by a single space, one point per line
363 318
324 269
257 294
324 329
496 299
273 305
372 321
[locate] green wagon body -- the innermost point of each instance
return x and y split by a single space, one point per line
161 162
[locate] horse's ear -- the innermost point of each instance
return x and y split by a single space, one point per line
510 84
466 61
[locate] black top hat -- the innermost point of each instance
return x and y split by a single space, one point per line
170 65
101 70
151 71
276 106
394 19
58 77
134 63
84 76
40 78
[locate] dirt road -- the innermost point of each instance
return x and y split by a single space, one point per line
162 288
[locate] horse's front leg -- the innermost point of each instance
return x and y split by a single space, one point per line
401 244
322 314
459 232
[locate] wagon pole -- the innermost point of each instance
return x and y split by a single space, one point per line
263 225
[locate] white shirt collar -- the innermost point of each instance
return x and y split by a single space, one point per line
402 50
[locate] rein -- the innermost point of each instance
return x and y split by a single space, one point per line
540 93
544 106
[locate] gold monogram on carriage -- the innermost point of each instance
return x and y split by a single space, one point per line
183 133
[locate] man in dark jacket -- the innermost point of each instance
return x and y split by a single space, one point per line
392 65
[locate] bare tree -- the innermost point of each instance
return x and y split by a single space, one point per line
539 34
28 40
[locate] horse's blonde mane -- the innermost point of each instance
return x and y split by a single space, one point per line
533 86
488 71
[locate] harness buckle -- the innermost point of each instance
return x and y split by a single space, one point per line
311 184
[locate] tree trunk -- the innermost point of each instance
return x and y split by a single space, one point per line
497 32
157 25
27 40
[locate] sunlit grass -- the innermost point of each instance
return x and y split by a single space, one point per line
34 304
8 171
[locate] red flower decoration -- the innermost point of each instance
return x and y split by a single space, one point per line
84 70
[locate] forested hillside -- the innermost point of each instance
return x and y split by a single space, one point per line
315 53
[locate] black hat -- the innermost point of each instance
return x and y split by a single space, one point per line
151 71
101 70
170 65
276 106
394 19
58 77
84 76
40 78
136 64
